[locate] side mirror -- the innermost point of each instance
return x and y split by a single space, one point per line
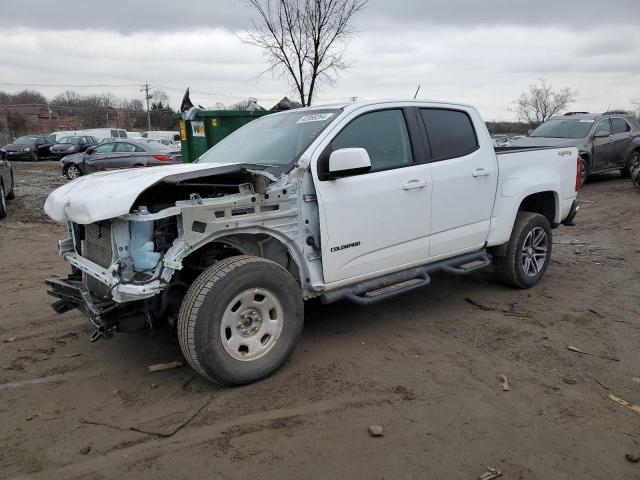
348 161
90 151
600 135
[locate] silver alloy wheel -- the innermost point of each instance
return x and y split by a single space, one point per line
73 172
3 198
251 324
534 251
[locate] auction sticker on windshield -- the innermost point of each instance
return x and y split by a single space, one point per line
317 117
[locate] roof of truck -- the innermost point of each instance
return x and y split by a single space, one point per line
366 103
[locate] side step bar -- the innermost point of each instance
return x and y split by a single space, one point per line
389 286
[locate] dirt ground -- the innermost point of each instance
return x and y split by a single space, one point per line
425 366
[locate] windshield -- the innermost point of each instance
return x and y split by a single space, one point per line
26 141
73 140
563 128
272 140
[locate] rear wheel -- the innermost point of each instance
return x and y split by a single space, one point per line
240 320
72 172
528 251
3 202
634 158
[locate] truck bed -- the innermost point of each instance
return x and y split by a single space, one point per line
503 150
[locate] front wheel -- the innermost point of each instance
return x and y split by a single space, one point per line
3 201
72 172
12 193
35 156
634 159
240 320
528 251
584 169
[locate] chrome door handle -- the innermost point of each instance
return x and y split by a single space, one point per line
481 172
414 184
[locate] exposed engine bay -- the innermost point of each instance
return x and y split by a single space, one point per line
133 271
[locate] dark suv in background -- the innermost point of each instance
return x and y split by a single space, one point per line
606 141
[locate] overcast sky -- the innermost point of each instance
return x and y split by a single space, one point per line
481 52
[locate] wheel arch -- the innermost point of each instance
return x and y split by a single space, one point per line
260 242
546 203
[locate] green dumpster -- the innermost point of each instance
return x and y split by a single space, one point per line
209 127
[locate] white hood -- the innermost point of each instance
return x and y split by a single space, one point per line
105 195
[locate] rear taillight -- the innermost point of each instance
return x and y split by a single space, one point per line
162 158
579 174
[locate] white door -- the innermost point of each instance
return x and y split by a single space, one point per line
464 176
378 220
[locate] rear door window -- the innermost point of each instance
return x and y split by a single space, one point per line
383 134
619 125
123 147
104 148
451 133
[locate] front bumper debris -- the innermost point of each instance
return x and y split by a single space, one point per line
72 293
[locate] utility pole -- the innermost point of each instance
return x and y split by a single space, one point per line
146 89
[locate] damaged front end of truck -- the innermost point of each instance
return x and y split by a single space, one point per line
135 252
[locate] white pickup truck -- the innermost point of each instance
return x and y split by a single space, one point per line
360 201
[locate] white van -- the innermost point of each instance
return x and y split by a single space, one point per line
134 135
102 133
64 133
173 137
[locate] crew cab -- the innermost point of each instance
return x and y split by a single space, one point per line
605 141
360 201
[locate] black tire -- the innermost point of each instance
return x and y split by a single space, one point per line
585 170
634 157
35 156
12 194
3 201
511 267
73 168
214 294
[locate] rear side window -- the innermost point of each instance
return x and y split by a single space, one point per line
451 133
634 122
383 135
618 125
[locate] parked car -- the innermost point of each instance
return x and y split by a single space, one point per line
117 154
360 201
606 141
70 145
101 133
7 186
28 147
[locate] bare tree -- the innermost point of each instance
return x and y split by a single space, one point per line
542 102
304 39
